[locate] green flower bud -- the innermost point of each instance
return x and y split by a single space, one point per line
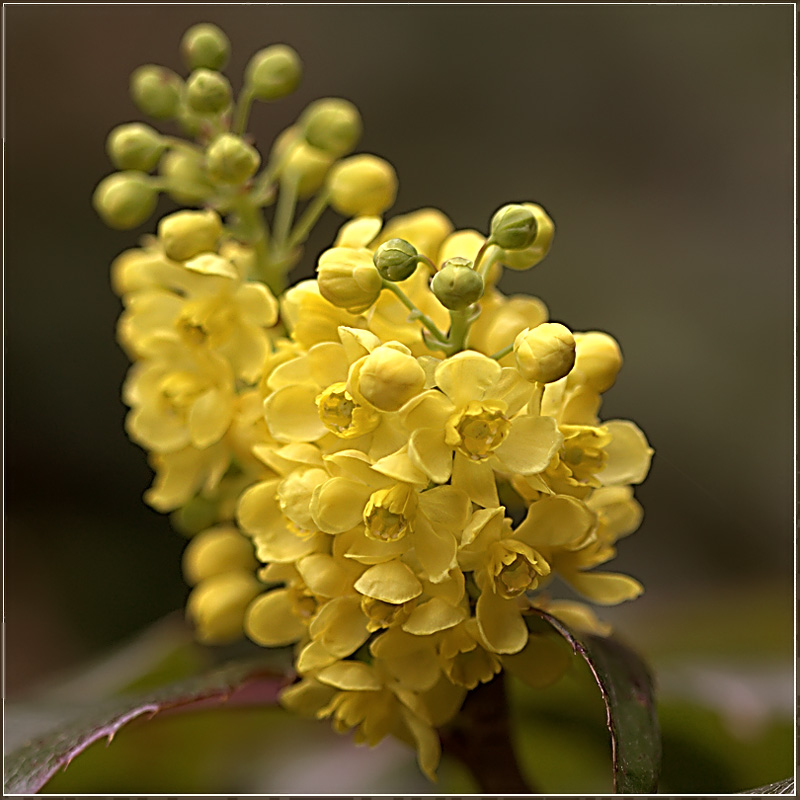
513 227
457 285
156 91
185 177
125 199
186 234
231 160
208 92
396 259
273 72
206 46
134 146
362 185
531 255
197 515
545 353
332 125
347 278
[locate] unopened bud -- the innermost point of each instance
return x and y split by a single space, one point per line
332 125
185 234
347 278
185 177
307 167
205 45
231 160
217 550
208 92
513 227
531 255
125 199
389 377
457 285
598 360
217 605
273 72
134 146
362 185
396 259
156 91
545 353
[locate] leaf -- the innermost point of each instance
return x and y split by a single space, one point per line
239 683
781 787
627 690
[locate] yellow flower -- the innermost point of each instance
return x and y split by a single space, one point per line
470 427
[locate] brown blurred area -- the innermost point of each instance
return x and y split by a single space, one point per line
659 138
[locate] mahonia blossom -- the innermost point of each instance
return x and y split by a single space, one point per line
384 467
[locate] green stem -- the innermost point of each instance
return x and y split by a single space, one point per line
459 329
502 353
481 253
263 186
308 219
243 107
415 312
179 144
489 261
284 214
480 737
257 234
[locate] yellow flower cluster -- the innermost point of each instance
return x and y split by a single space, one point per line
387 466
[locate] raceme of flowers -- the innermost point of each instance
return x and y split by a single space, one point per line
388 467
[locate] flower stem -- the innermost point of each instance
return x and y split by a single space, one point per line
415 312
480 737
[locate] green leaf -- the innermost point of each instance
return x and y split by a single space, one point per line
627 690
239 683
781 787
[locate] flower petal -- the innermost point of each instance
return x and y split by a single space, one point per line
556 521
604 588
429 452
476 479
392 582
271 622
530 445
338 504
434 615
629 455
468 376
351 676
291 414
500 623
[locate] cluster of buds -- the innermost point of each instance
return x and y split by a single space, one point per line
388 467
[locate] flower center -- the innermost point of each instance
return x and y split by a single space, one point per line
516 577
341 415
389 513
481 431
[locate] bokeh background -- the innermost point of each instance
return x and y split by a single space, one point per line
659 138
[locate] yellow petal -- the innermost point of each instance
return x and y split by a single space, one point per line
429 452
629 455
292 416
468 376
400 467
446 506
358 232
392 582
604 588
476 479
353 676
326 576
338 504
500 623
314 656
328 363
271 622
429 748
530 445
210 417
435 615
307 697
556 521
435 548
257 304
340 626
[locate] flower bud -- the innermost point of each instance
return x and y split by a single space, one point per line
388 378
347 278
186 234
231 160
531 255
513 227
545 353
307 166
206 46
195 516
217 550
362 185
125 199
332 125
134 146
217 605
273 72
396 259
208 92
457 285
156 91
185 177
598 360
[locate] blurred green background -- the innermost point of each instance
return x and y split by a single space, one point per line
659 138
